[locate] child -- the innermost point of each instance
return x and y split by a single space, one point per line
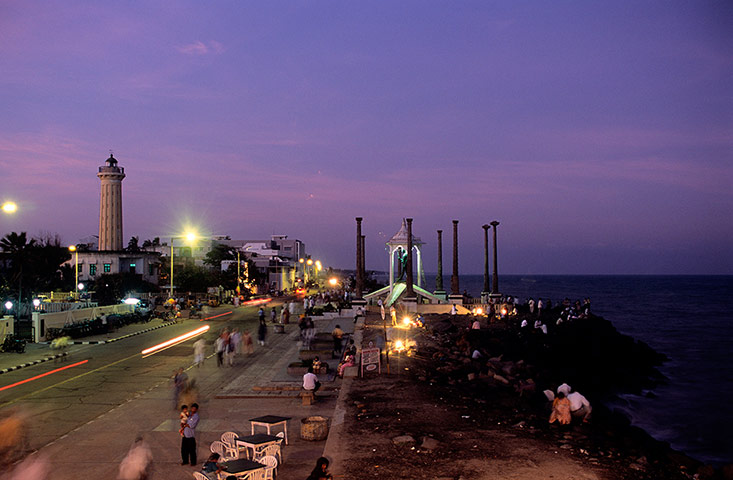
184 418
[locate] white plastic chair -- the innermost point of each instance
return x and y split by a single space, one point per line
271 463
255 475
229 439
221 449
270 450
200 476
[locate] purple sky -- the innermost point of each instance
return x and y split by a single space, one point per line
599 135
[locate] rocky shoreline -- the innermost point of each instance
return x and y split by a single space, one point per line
440 402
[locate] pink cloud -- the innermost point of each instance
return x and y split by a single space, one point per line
201 48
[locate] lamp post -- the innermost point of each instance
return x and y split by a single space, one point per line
72 248
9 207
191 237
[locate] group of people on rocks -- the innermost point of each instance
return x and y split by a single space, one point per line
567 404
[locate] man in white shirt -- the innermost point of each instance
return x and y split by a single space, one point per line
310 381
579 406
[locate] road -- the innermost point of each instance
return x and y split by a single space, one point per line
112 374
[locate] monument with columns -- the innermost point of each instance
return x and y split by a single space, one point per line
402 248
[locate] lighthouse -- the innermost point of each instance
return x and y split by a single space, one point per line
110 205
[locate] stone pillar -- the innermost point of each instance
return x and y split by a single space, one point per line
110 206
359 279
409 292
363 259
495 279
485 291
439 277
454 286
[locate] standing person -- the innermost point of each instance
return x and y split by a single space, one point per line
273 315
180 380
337 335
320 472
136 464
188 442
199 346
540 305
282 312
382 312
237 339
247 343
220 347
231 347
261 314
286 316
310 333
262 331
393 314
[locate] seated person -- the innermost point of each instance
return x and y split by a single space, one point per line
351 348
316 364
348 362
212 467
310 381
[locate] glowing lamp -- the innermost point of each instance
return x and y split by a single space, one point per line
503 311
333 282
309 262
81 286
9 207
36 302
131 301
406 320
72 248
301 260
319 266
398 345
8 304
479 311
190 236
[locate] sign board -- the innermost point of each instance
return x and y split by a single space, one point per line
370 360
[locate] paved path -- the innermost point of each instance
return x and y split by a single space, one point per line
96 448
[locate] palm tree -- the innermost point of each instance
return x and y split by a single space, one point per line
18 247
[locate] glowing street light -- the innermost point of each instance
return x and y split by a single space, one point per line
9 305
10 207
190 238
36 302
333 281
72 248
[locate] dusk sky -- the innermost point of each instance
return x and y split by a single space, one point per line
600 134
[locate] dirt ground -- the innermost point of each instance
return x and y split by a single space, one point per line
461 431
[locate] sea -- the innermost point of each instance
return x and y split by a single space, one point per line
688 318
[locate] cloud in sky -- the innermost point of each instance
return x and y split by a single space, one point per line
201 48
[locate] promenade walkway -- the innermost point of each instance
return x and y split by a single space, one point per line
229 397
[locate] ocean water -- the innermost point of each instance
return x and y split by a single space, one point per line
688 318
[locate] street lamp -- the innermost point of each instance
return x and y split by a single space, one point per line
190 237
10 207
9 305
72 248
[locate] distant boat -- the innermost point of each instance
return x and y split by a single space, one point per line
529 280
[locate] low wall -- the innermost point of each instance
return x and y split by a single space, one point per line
59 319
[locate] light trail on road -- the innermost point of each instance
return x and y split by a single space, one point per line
42 375
256 301
173 341
216 316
